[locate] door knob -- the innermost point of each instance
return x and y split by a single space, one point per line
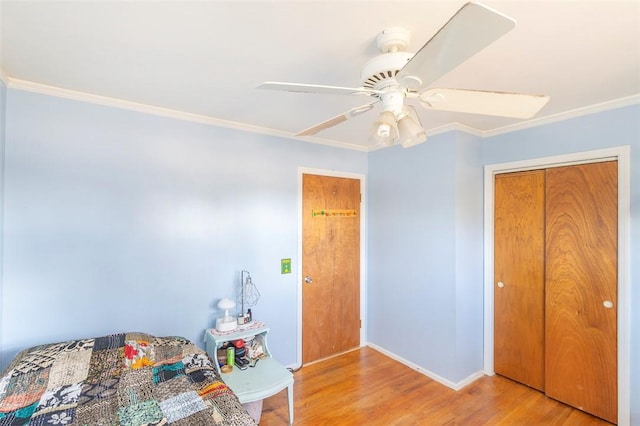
608 304
500 284
307 279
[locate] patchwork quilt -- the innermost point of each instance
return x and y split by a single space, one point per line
120 379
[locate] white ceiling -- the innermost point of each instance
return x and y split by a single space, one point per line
202 60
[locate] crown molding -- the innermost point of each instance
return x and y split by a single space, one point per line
554 118
133 106
540 121
455 127
44 89
29 86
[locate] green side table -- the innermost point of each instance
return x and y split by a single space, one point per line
265 379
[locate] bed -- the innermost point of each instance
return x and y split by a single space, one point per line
120 379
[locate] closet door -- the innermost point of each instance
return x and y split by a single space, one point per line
581 287
519 277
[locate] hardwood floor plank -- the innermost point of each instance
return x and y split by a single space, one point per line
366 387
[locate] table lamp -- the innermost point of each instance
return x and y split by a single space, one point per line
227 322
249 296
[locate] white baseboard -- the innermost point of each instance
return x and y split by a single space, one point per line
430 374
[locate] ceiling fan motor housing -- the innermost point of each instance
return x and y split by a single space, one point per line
380 72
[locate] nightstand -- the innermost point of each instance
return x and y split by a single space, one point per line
265 379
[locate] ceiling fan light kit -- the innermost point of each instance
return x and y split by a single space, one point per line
384 130
410 129
396 74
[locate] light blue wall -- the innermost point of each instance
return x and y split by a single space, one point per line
3 104
469 264
597 131
425 254
111 215
425 235
117 220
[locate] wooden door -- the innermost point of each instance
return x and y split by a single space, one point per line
581 287
519 277
331 261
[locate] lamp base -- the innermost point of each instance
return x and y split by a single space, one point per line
226 324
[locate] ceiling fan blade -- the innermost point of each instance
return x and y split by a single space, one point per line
317 88
337 119
515 105
470 30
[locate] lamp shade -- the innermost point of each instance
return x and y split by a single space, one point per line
226 304
384 130
410 130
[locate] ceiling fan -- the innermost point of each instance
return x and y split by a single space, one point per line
396 74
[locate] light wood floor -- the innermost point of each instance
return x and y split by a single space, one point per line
365 387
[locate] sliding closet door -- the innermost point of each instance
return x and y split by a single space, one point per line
519 277
581 287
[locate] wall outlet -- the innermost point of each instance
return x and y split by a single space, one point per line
285 266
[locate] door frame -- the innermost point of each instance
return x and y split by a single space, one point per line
332 173
622 155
